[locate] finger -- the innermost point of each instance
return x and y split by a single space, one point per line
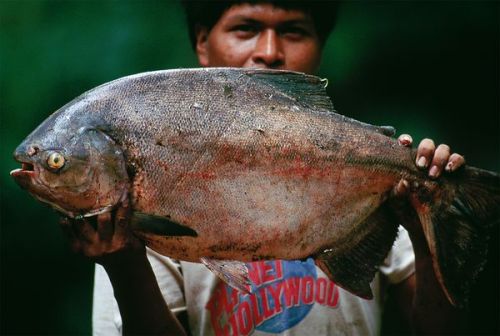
66 226
405 140
441 156
122 217
402 188
105 226
455 162
425 152
84 231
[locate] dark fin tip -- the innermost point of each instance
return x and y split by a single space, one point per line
458 228
161 226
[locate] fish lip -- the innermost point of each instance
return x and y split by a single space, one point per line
23 177
25 174
20 172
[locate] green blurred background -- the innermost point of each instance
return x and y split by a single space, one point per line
427 68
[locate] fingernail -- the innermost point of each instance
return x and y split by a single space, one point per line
422 162
402 187
434 171
405 140
449 167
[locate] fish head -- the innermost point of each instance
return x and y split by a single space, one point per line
79 172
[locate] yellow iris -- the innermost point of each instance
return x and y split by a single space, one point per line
55 160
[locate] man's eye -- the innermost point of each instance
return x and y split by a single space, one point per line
294 32
245 30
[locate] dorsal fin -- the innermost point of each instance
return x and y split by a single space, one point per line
304 89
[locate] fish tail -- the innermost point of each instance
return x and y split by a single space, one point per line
457 222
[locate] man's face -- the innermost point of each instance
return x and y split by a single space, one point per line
261 36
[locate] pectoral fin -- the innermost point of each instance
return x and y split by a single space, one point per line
234 273
353 265
158 225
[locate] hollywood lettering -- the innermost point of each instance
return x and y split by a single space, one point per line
274 291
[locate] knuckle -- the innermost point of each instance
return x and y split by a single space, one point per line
428 143
443 148
426 149
439 160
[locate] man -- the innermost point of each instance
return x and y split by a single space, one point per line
292 297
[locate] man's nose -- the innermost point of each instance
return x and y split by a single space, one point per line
268 50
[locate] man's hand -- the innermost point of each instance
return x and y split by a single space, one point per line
428 156
420 296
111 243
437 158
106 240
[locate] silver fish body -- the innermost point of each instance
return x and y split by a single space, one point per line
239 164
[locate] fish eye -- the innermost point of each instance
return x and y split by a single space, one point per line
56 160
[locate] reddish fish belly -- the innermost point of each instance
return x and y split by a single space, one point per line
285 213
273 198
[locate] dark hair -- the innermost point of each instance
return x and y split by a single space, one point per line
207 13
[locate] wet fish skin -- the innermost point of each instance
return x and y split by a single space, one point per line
249 164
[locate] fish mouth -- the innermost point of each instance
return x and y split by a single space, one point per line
24 174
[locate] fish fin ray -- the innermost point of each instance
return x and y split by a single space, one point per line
354 268
234 273
457 229
304 89
159 225
308 90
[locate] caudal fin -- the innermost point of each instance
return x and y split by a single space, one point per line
457 223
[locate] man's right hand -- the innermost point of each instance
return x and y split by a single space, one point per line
111 243
103 238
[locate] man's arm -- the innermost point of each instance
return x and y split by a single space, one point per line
142 307
123 256
423 301
420 296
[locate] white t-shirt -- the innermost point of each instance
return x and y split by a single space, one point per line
288 298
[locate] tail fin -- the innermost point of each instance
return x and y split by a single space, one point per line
457 224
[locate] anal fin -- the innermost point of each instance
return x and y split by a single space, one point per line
234 273
353 265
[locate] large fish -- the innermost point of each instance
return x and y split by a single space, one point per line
236 164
